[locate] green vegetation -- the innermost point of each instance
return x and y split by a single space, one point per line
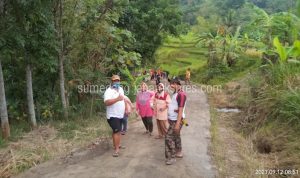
50 142
50 51
178 54
254 43
49 48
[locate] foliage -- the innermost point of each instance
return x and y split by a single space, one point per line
285 53
223 49
149 21
131 83
190 10
178 54
97 40
281 24
274 6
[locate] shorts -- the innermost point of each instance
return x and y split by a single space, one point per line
115 124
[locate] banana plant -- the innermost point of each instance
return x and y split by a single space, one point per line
232 47
284 24
212 42
296 49
280 50
131 81
287 54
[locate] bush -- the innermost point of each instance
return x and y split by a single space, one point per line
218 70
288 107
275 91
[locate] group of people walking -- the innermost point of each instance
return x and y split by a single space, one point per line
149 104
157 75
167 109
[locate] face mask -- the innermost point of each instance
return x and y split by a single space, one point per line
116 85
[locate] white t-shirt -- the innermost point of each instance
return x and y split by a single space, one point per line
172 115
118 108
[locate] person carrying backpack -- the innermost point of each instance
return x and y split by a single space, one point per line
161 101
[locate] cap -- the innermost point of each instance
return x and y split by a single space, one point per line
175 80
115 77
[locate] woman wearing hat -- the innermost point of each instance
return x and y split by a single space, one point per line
160 102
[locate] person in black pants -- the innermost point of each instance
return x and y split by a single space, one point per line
157 80
144 108
148 124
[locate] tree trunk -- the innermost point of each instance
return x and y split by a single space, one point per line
61 61
3 108
30 101
1 7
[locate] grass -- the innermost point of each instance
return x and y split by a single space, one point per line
276 101
245 64
48 142
270 101
269 123
216 143
232 153
178 54
81 129
17 128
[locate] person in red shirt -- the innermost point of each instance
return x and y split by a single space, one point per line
143 107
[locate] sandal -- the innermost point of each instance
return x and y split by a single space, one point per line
115 154
122 147
179 155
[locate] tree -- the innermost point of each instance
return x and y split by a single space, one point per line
58 13
228 11
3 107
282 24
225 6
36 43
274 6
30 101
212 42
149 22
190 10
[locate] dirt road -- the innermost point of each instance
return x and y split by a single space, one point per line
144 155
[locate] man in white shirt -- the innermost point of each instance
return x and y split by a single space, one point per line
115 109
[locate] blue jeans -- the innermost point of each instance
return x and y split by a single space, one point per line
124 122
